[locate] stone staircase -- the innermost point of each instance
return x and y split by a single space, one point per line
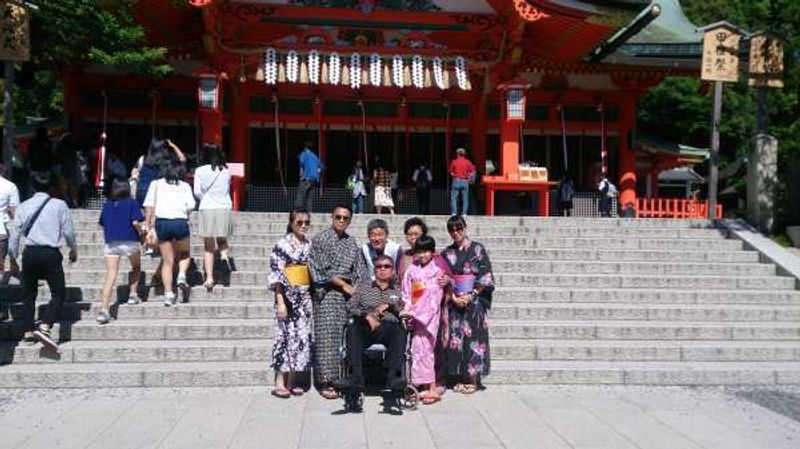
662 302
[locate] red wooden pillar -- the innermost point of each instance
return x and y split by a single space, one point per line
477 132
627 153
238 124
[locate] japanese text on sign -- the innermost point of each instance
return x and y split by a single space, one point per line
720 55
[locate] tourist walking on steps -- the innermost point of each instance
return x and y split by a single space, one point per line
383 188
467 342
310 169
168 203
212 187
121 219
461 171
356 184
147 167
423 295
43 221
9 201
289 279
423 179
336 267
607 193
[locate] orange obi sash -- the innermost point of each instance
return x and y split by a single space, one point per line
297 275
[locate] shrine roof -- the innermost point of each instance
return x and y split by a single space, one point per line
657 145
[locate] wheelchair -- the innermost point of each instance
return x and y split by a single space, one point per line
375 370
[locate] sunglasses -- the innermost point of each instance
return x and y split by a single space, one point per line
456 229
383 267
303 223
341 217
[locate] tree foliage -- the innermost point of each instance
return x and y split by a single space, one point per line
78 33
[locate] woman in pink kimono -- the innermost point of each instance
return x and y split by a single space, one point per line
423 294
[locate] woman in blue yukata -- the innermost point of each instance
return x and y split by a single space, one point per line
467 336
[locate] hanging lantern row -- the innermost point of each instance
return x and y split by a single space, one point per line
358 70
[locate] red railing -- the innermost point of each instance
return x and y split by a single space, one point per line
673 208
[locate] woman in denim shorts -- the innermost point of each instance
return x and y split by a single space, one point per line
168 202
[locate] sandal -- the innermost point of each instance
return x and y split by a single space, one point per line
282 393
431 398
459 388
468 389
296 391
329 393
209 285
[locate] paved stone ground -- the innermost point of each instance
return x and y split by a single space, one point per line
529 417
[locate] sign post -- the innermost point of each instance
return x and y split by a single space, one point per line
14 46
720 64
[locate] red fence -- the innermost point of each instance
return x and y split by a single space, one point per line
673 208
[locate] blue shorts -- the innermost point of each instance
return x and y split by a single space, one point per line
171 229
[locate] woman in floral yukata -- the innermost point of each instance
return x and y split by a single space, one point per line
467 342
290 279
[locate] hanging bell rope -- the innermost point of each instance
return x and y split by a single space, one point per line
447 134
364 133
564 139
101 152
603 149
278 143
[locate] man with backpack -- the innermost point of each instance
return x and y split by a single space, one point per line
422 179
43 221
607 193
566 194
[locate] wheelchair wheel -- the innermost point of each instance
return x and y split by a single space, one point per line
410 398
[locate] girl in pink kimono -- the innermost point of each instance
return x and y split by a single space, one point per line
423 297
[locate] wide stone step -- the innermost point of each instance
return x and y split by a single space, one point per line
262 249
218 329
644 281
522 311
175 351
502 295
213 374
270 232
502 265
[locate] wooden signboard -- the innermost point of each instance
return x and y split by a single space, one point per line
766 61
721 54
14 32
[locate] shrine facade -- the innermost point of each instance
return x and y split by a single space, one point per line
521 84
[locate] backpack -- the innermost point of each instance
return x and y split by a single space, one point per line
422 179
351 183
567 192
612 190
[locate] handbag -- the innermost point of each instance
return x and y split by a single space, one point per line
151 238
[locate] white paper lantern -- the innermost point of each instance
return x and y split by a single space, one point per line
355 71
461 73
334 68
417 72
313 67
270 66
438 72
292 66
375 69
397 70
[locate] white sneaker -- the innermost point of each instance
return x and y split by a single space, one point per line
133 299
169 299
103 317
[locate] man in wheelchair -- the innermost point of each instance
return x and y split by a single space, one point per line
376 309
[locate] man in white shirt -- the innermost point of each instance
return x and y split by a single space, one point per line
9 200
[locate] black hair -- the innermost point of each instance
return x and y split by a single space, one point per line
425 243
212 154
456 221
120 189
415 221
378 223
293 214
342 206
156 153
172 170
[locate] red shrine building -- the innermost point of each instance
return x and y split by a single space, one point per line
535 90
